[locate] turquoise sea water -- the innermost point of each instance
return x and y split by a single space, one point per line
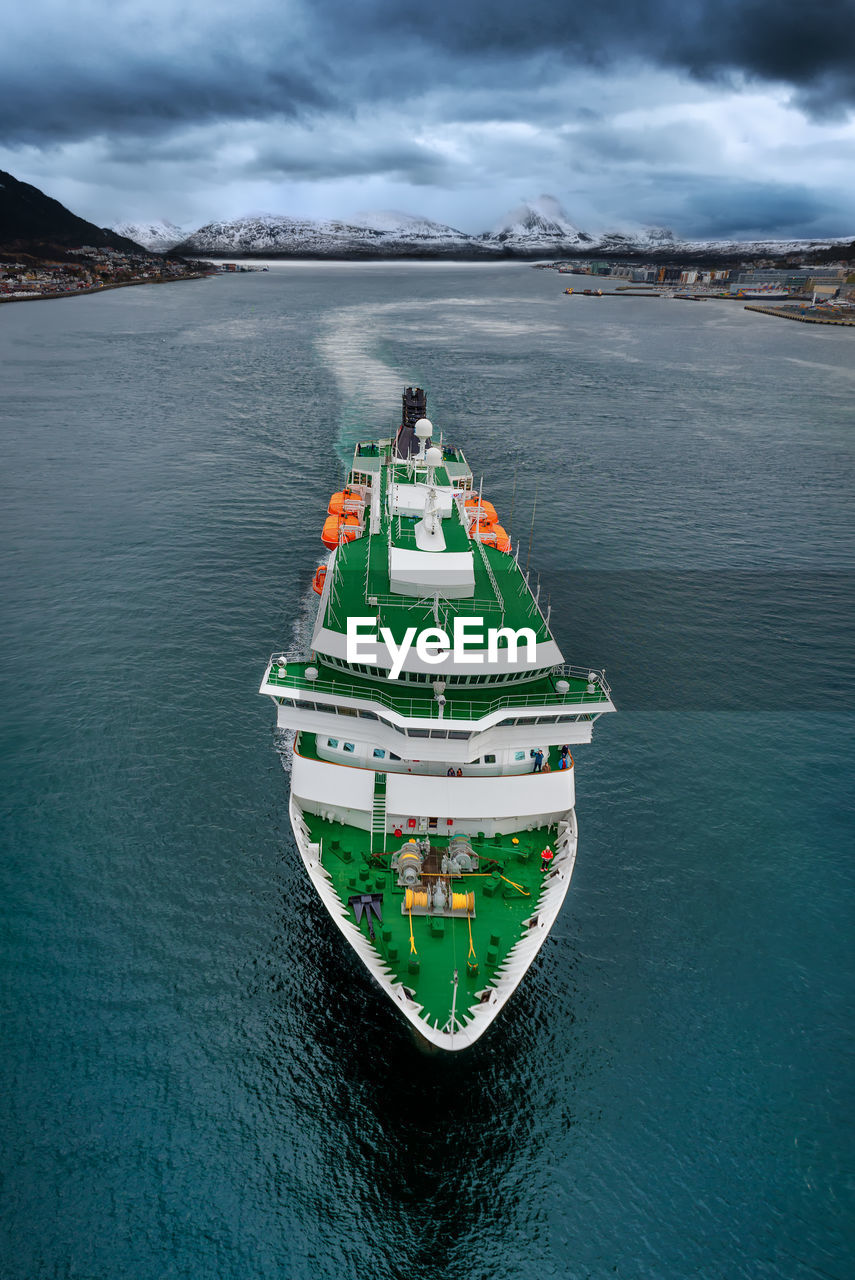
198 1079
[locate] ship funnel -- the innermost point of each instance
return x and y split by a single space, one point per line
414 408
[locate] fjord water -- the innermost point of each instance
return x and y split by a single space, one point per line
199 1079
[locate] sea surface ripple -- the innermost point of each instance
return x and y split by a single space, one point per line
199 1079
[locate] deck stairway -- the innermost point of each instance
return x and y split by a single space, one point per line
378 814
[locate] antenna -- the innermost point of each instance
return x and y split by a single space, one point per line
531 532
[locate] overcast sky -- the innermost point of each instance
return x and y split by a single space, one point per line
716 117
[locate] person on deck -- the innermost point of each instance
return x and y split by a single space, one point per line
450 773
460 773
546 856
538 761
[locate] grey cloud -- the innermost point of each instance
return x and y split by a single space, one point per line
705 206
724 208
64 78
326 160
809 46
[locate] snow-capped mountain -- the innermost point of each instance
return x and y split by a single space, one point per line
406 226
160 236
537 225
535 229
375 235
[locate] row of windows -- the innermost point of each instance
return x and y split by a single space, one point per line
428 677
528 720
379 754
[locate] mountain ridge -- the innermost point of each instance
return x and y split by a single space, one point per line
534 229
34 223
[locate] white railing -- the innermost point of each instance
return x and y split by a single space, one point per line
425 707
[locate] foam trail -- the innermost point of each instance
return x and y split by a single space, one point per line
369 387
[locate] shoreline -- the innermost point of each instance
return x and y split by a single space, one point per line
803 319
102 288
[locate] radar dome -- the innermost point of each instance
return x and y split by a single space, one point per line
433 457
424 429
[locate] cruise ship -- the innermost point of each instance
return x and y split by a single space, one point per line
435 719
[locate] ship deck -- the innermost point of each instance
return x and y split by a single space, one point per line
506 887
361 573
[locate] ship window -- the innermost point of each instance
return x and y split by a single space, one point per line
392 756
369 715
379 753
332 742
509 720
546 719
349 746
489 759
438 733
417 733
345 711
459 735
519 755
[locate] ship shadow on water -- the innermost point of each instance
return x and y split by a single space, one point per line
428 1159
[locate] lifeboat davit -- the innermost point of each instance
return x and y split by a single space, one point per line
496 537
338 529
345 500
481 507
319 578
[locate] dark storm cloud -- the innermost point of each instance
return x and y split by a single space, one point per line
807 45
69 72
143 95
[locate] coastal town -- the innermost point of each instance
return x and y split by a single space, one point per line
793 290
89 270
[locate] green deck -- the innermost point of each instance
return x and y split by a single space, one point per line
456 537
442 946
351 588
501 595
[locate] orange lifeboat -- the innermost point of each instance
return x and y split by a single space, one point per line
496 537
319 578
485 509
344 500
338 529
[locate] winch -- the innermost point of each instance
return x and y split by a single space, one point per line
408 862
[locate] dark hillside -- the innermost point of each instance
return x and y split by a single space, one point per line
32 223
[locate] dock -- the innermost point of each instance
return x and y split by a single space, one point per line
802 317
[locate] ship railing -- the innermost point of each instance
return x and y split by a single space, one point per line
582 673
427 708
473 605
